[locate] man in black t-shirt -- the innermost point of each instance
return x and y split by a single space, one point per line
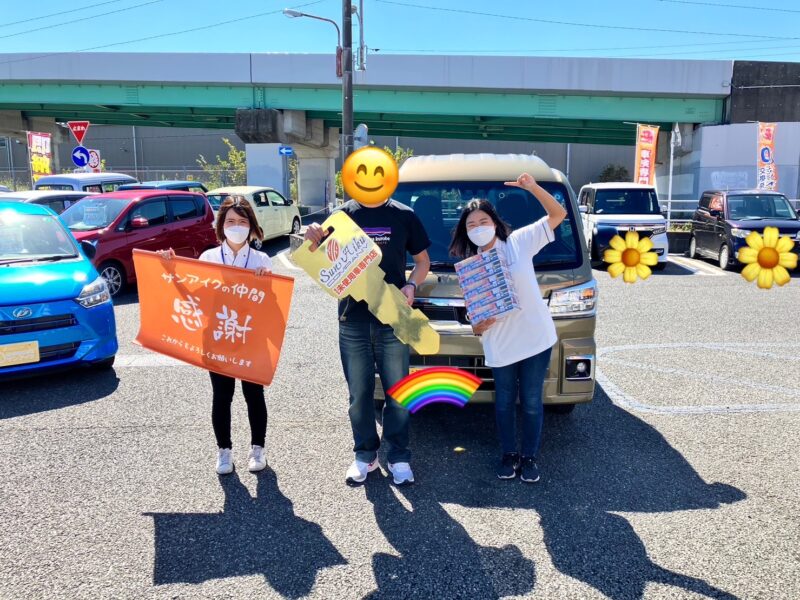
366 344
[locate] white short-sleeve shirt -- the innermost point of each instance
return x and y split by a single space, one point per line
247 258
529 331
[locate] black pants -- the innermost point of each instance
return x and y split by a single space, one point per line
224 387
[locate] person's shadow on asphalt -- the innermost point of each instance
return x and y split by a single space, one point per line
438 558
601 460
260 535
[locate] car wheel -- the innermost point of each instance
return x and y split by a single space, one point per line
296 226
104 364
114 276
692 247
724 258
561 409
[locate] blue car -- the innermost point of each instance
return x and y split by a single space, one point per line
55 310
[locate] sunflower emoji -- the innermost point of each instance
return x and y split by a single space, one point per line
630 256
767 258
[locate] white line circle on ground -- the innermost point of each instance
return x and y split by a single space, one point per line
626 401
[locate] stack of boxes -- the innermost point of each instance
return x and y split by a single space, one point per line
487 286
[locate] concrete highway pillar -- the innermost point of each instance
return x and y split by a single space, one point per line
265 166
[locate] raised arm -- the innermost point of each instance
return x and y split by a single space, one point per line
555 212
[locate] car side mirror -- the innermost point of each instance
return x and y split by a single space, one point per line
89 250
139 222
583 208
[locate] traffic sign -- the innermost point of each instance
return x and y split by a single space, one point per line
94 159
78 129
80 156
286 151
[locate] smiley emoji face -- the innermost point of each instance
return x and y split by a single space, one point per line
370 176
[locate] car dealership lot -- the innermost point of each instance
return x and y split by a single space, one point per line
679 480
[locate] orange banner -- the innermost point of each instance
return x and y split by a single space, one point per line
767 169
646 142
223 319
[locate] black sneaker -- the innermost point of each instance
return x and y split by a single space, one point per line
529 472
509 465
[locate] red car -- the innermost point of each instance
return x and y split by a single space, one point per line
118 222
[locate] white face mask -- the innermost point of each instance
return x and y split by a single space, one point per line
237 234
481 236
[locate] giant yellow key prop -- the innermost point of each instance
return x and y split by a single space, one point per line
347 264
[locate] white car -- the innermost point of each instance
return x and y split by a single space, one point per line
609 209
277 215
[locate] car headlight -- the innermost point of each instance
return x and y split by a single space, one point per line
659 230
94 293
740 233
576 301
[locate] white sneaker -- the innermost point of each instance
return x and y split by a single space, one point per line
403 475
358 471
256 460
224 461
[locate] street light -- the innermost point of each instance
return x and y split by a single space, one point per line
293 14
344 69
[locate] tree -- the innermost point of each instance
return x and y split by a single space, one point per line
614 173
231 170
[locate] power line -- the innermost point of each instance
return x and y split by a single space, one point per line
81 20
577 24
158 36
58 14
697 3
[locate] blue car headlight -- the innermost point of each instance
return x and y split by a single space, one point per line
659 230
94 293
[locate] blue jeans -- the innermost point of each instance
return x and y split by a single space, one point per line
365 346
526 379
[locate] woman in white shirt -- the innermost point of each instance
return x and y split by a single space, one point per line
517 347
236 225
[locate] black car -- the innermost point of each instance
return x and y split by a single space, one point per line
723 220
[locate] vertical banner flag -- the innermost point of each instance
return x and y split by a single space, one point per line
220 318
646 140
767 169
40 154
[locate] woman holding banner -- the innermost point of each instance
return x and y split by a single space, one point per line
236 225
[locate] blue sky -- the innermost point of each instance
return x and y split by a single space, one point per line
618 28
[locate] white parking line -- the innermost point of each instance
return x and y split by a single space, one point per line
284 258
698 267
128 361
623 400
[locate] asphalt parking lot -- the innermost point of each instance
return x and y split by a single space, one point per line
678 481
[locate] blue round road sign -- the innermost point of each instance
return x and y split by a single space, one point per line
80 156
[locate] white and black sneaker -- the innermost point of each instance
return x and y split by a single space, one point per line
509 466
358 471
402 473
529 472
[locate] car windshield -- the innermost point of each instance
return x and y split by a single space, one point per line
767 206
216 199
25 238
55 186
92 213
626 202
439 206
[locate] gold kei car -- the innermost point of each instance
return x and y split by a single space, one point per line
437 188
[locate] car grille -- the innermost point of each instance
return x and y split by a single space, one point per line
59 352
444 313
470 364
643 233
40 324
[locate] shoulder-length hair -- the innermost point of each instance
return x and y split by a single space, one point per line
462 246
241 207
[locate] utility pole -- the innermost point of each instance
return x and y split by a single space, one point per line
347 80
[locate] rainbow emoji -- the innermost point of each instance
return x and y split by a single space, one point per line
435 384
